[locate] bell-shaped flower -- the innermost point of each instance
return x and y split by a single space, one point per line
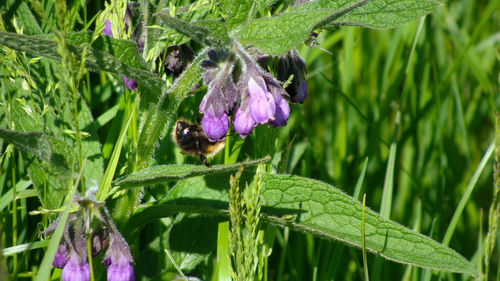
120 270
261 101
243 123
215 126
293 64
282 111
76 269
118 260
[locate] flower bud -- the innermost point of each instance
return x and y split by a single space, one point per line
130 84
282 111
99 241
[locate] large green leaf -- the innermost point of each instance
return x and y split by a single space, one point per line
387 14
164 173
313 207
278 34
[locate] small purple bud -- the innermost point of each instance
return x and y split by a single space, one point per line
129 83
215 127
208 64
261 103
74 270
60 257
243 122
121 270
282 113
212 55
107 29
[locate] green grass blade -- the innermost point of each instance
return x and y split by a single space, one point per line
105 185
466 195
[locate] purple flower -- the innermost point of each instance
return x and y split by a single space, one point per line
243 122
215 127
76 269
129 83
118 260
282 111
60 257
107 29
120 270
261 103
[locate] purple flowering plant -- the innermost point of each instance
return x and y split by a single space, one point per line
91 222
233 66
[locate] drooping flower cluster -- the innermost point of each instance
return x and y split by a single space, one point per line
71 254
257 98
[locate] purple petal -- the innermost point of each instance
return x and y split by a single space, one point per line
243 123
122 270
215 127
75 271
107 29
60 257
261 103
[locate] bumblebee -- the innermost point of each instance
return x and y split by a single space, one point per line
191 140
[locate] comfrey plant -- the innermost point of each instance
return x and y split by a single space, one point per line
92 220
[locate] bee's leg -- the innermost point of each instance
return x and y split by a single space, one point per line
202 157
204 160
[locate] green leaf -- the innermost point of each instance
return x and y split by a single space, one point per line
164 173
208 33
25 247
312 207
276 35
58 157
387 13
127 63
240 13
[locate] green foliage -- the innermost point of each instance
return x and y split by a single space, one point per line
404 116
